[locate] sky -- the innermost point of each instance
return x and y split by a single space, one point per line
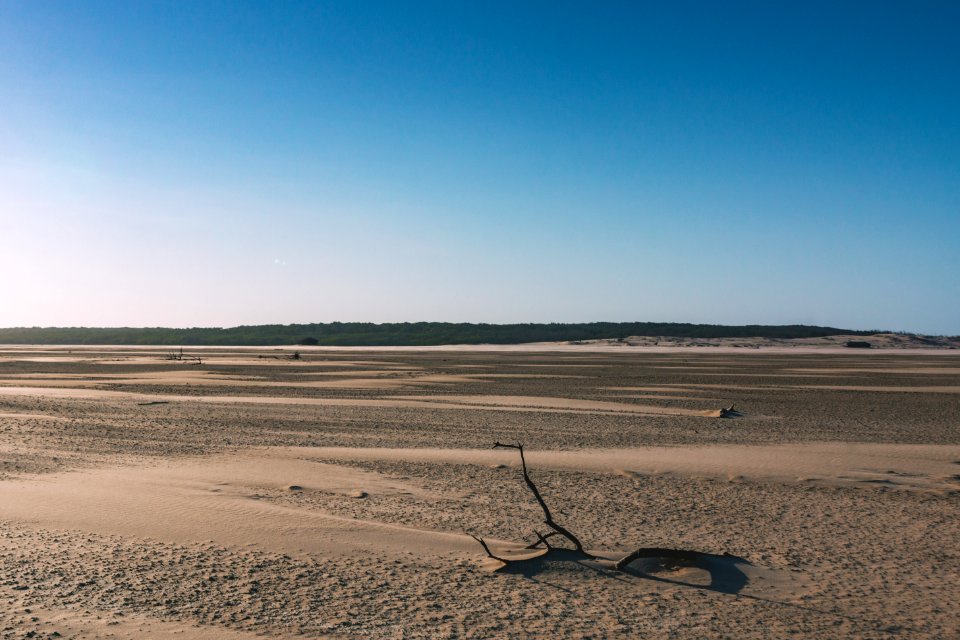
225 163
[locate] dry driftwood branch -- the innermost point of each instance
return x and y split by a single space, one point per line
547 517
728 412
174 355
541 540
487 549
558 530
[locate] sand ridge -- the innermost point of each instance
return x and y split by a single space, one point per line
473 402
910 467
217 500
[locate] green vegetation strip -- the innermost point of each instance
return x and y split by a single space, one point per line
402 334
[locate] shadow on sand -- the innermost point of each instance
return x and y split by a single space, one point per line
720 573
727 574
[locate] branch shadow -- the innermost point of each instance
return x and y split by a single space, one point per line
725 575
724 571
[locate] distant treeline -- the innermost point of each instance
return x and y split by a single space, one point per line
402 333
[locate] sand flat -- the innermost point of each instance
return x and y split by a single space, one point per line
924 467
945 371
675 387
540 402
140 496
473 403
218 501
80 623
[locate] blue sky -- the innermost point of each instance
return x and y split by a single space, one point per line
225 163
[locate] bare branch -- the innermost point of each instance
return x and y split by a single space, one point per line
487 549
729 412
548 518
542 540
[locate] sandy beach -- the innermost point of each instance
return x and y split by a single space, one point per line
246 493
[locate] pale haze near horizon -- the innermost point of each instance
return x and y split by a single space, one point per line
251 163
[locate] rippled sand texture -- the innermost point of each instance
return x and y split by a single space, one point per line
253 494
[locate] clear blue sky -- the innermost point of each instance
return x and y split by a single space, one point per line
224 163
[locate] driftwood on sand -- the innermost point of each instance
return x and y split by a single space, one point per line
559 531
547 516
729 412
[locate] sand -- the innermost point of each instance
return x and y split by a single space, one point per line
333 496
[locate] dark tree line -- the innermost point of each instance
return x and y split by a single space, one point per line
402 333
